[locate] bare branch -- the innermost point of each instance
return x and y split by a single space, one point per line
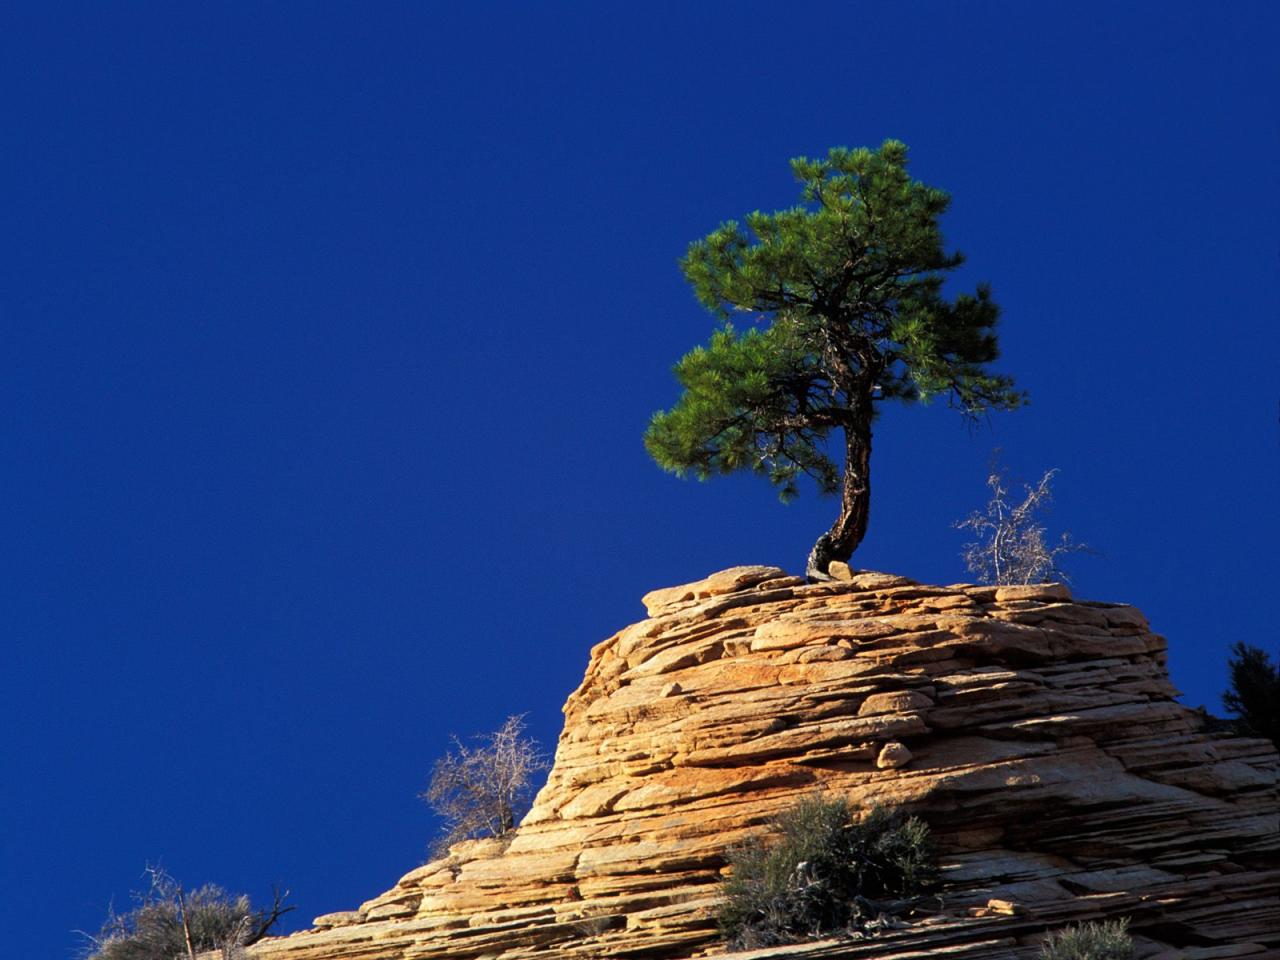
1011 545
482 791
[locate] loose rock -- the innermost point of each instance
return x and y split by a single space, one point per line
892 756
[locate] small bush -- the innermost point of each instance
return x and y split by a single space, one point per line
1109 940
483 791
169 923
822 871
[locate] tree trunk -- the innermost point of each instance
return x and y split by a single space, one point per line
850 527
186 927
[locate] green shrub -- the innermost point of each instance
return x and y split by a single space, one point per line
1109 940
821 871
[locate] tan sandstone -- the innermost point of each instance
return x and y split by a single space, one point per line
1037 735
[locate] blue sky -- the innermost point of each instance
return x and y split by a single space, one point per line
330 335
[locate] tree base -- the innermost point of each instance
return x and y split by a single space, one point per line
820 556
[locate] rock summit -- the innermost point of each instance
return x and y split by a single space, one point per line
1038 735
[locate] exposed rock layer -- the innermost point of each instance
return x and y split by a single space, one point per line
1037 735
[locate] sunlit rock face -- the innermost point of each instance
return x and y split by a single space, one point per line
1037 735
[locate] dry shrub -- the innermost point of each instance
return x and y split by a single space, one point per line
168 923
483 791
1012 545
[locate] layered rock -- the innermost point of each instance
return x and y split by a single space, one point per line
1038 736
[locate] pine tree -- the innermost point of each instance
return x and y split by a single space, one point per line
843 308
1254 696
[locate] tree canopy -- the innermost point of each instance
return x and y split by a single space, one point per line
842 308
1254 695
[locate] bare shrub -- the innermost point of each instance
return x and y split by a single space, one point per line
1011 545
1108 940
824 870
168 923
483 791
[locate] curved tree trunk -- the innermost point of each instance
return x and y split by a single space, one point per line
850 527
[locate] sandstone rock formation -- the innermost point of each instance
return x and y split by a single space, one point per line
1038 736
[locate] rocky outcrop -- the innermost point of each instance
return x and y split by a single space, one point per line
1038 736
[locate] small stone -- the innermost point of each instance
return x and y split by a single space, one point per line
893 755
1003 907
670 690
839 570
